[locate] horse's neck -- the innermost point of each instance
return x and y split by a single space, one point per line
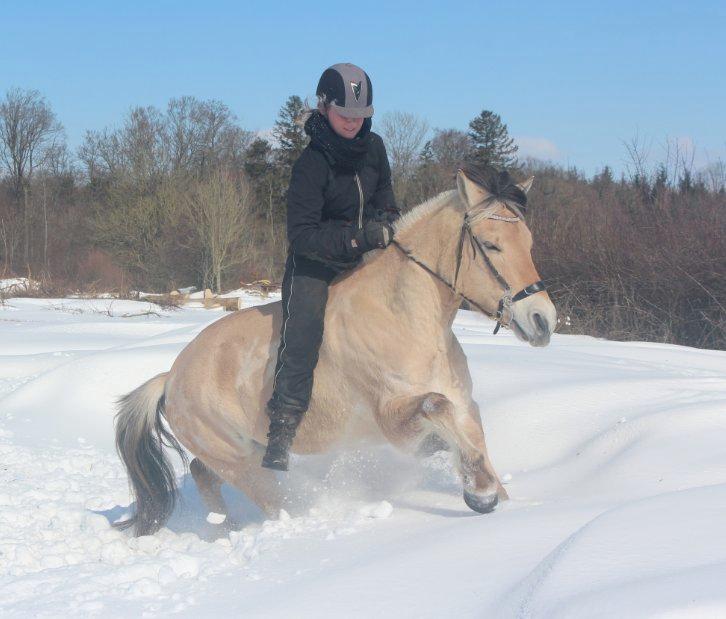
421 294
406 288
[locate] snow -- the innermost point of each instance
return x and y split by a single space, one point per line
613 455
16 285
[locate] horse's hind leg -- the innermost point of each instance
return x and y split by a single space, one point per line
258 483
244 473
407 421
209 485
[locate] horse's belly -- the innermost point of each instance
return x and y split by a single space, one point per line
339 415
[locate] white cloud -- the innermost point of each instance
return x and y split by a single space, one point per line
539 148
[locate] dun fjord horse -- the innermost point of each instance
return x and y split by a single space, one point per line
390 368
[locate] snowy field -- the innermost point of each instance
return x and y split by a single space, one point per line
614 455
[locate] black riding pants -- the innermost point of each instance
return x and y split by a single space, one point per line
304 295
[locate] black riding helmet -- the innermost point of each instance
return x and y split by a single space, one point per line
347 88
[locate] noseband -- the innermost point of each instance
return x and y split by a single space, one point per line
507 299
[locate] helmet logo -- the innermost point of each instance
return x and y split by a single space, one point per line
356 90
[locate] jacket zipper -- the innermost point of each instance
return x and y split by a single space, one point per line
360 198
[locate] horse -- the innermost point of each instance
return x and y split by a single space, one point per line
389 369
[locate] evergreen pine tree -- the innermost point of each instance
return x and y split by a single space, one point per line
263 173
660 183
290 136
427 154
491 144
257 159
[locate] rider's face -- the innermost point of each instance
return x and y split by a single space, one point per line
342 125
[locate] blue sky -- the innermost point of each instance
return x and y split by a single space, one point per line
571 80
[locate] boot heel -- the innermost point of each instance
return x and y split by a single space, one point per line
283 424
275 462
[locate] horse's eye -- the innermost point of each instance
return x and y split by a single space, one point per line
491 246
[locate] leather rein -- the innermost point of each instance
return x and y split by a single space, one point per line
507 298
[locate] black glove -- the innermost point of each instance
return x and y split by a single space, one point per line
387 215
374 234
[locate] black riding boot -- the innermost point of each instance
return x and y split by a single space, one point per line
283 424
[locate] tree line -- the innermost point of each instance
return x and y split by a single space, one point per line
187 196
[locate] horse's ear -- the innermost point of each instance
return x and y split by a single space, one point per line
471 193
525 186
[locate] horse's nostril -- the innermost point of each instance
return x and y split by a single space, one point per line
540 322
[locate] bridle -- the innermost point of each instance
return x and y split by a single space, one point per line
507 299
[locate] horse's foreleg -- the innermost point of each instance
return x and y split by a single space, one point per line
471 427
407 421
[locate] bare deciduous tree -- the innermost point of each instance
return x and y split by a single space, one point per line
715 176
436 167
56 167
191 137
220 209
450 148
403 134
29 132
638 150
184 131
137 150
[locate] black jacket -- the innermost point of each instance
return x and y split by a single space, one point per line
325 205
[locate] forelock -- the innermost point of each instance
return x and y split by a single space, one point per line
498 184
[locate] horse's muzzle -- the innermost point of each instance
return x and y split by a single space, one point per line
534 322
542 330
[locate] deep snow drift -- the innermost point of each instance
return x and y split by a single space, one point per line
614 456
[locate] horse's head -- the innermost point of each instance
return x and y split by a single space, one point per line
494 260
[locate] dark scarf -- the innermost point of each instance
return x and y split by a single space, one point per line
344 154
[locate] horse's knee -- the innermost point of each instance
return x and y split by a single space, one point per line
437 412
435 404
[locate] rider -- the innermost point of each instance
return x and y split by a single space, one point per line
340 204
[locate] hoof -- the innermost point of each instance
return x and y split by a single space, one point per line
231 524
222 530
481 503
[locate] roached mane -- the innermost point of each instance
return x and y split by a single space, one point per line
425 208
